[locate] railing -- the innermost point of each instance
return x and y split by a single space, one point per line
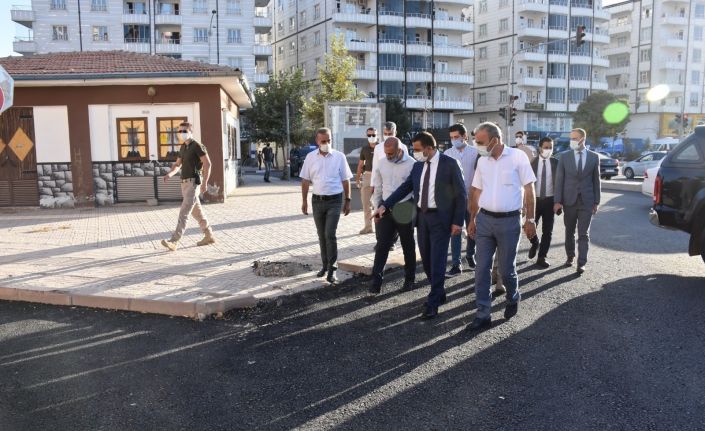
419 69
23 7
390 13
24 38
131 11
393 68
136 40
418 15
418 42
451 99
389 41
100 38
169 41
556 76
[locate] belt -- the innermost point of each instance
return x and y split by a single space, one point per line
187 180
500 215
326 197
430 210
543 198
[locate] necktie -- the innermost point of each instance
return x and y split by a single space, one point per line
580 162
542 194
424 189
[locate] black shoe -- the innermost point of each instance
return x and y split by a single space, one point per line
408 285
429 312
471 261
534 248
332 279
541 262
443 299
321 273
580 269
511 310
375 288
569 261
479 324
392 248
454 271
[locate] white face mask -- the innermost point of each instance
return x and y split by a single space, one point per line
484 150
324 148
371 139
419 156
574 145
519 141
184 136
546 153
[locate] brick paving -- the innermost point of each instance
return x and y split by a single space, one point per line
111 257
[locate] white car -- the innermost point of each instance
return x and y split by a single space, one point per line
647 187
636 168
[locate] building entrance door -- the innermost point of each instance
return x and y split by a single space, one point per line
18 159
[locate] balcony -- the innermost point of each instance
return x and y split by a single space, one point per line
369 100
535 31
617 50
418 75
672 64
417 48
261 78
361 45
532 81
453 103
166 18
387 73
389 46
534 55
452 51
555 106
23 15
675 20
391 18
168 46
618 70
452 23
625 27
557 56
557 81
260 50
538 6
368 73
24 46
354 16
599 85
134 18
599 36
418 20
674 41
453 78
419 102
262 23
136 45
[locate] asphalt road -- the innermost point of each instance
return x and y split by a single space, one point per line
621 348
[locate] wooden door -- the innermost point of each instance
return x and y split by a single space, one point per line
18 158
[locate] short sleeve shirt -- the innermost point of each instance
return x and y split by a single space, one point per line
326 172
190 154
367 156
502 181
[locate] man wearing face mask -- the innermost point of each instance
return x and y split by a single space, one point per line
364 176
502 179
397 221
194 163
577 193
440 201
328 171
521 145
545 168
467 158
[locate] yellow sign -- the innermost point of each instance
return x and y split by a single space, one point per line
669 127
21 144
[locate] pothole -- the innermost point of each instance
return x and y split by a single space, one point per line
265 268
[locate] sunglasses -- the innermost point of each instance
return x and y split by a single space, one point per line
371 136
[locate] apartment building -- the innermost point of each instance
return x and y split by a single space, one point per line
549 74
409 49
225 32
657 42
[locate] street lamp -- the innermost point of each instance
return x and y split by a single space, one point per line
210 32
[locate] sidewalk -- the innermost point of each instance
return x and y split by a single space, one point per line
111 257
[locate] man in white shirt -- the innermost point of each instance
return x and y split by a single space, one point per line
501 179
545 168
328 171
467 158
398 220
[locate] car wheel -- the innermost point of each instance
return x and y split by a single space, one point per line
629 173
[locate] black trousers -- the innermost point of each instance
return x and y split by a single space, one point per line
544 210
388 229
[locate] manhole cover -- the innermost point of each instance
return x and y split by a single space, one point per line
279 269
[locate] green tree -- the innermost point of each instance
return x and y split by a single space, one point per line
397 112
268 115
590 116
335 77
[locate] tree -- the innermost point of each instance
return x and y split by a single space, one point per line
335 76
268 115
591 116
396 111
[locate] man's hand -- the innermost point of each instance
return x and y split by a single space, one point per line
557 207
304 207
455 230
529 229
378 213
594 208
204 188
166 177
472 229
346 208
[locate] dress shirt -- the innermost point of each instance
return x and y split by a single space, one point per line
326 172
379 156
577 157
390 176
431 180
466 157
528 150
502 181
549 177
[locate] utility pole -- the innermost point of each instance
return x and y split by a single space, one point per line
287 150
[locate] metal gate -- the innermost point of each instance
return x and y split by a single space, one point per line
18 158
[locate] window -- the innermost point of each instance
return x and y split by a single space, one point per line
57 5
169 141
482 75
482 99
644 77
233 7
504 24
482 53
503 3
100 33
645 34
132 138
555 95
280 51
504 48
234 35
694 99
280 28
622 41
292 47
302 20
200 35
698 32
235 62
135 8
697 55
646 12
700 10
483 30
302 44
689 153
292 23
503 96
503 72
316 38
99 5
482 6
645 55
695 77
59 32
200 6
317 11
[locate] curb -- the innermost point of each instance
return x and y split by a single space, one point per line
622 186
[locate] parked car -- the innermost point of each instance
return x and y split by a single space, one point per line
609 167
679 191
636 168
647 187
297 157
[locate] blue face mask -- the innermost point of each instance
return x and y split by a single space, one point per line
458 143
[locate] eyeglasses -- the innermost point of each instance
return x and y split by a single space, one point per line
371 136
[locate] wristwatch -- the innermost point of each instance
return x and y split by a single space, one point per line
347 199
532 221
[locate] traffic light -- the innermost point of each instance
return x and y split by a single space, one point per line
677 118
512 115
579 35
685 120
503 112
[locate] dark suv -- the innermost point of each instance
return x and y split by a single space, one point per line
679 191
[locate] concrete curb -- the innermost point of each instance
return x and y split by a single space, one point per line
622 186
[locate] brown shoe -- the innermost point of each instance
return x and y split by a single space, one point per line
207 240
366 230
569 261
171 245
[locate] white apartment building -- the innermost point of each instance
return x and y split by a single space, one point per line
550 79
658 42
409 49
225 32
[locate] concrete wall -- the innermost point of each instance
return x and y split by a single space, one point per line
51 133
